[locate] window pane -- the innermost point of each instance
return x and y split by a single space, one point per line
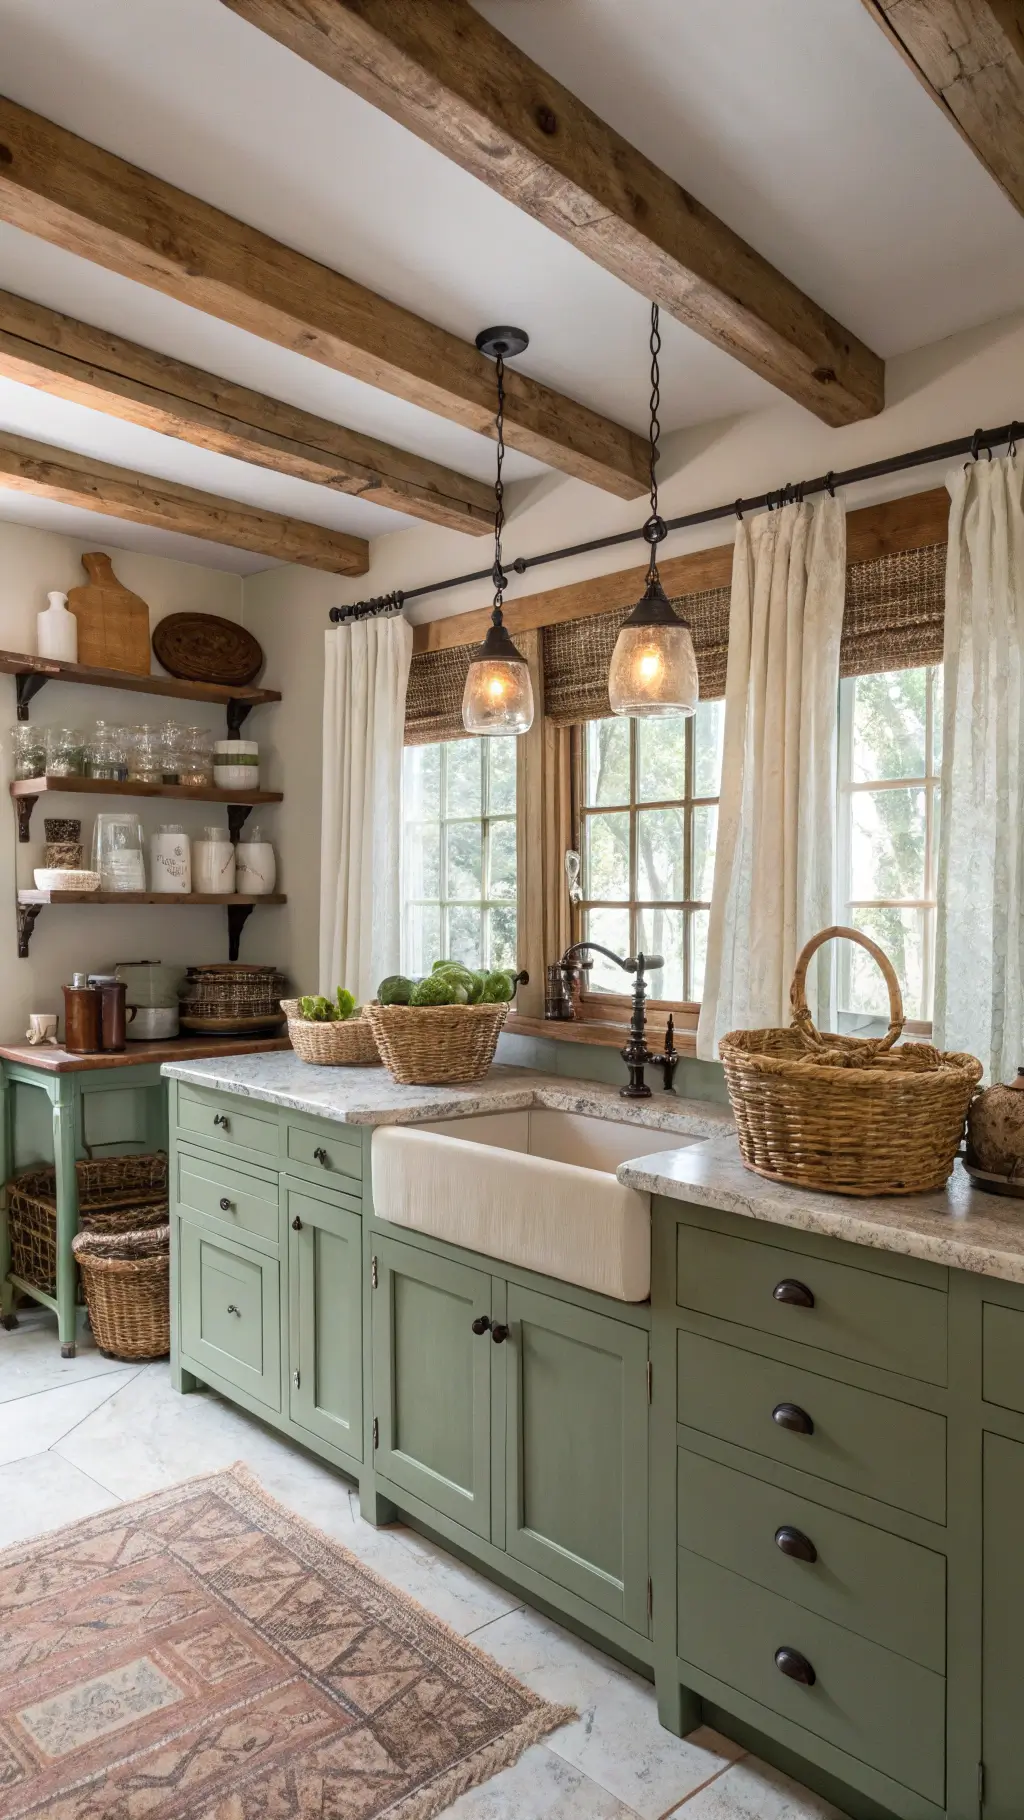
464 860
612 928
661 932
423 938
606 761
464 777
501 931
698 951
889 725
888 829
661 760
502 860
705 832
501 762
659 854
900 933
422 859
606 857
708 733
464 935
937 719
421 780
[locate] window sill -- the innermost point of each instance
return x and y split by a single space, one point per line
586 1030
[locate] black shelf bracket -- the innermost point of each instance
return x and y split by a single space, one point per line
237 712
24 806
27 914
27 683
237 916
237 814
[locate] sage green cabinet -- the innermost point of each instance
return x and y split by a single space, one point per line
1003 1627
230 1310
432 1380
576 1451
325 1324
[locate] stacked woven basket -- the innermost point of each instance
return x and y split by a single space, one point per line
232 998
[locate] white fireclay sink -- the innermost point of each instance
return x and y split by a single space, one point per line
533 1188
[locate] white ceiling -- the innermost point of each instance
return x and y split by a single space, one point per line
793 119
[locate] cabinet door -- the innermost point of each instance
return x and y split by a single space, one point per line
230 1312
576 1439
1003 1621
432 1381
325 1317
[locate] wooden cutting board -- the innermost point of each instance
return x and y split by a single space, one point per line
113 623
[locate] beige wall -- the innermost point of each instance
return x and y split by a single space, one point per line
32 562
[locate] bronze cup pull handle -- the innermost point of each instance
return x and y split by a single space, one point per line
794 1294
791 1416
794 1543
791 1663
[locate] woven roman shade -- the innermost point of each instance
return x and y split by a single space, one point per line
433 705
578 652
894 612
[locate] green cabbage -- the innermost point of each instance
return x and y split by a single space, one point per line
395 990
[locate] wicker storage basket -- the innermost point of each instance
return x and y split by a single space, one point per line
230 993
343 1044
848 1114
115 1194
126 1277
429 1045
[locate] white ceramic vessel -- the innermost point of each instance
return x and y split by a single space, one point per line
170 860
256 867
57 630
213 863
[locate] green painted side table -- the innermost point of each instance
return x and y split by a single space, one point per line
69 1082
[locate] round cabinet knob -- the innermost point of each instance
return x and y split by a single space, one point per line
320 1156
296 1224
791 1663
226 1206
791 1416
220 1119
794 1294
499 1334
793 1542
233 1310
482 1323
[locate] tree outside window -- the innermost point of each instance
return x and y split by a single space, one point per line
459 854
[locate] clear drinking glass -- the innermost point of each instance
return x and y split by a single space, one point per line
117 852
65 752
28 749
105 753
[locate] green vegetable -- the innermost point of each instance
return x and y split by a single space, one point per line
436 989
346 1004
395 990
499 989
436 968
317 1009
476 988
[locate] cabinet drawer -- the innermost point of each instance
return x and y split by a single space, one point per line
333 1156
1002 1356
230 1312
215 1118
877 1706
228 1195
873 1444
874 1583
859 1314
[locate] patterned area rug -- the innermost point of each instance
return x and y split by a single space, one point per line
205 1655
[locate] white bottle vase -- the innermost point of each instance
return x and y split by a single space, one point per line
257 868
57 630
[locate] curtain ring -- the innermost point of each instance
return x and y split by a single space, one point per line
738 509
975 445
1012 445
830 483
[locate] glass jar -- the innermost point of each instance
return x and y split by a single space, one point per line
196 757
144 755
28 749
117 852
105 754
170 753
65 752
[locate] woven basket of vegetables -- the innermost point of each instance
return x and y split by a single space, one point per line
442 1028
332 1033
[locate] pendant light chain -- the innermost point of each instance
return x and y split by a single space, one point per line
498 575
655 529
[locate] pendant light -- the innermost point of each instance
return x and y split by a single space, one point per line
653 669
498 696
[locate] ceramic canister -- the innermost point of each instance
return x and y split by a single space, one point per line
213 863
256 872
170 860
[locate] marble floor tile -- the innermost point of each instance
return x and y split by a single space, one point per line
44 1493
616 1741
541 1786
29 1425
30 1358
752 1790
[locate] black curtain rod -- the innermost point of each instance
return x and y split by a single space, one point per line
822 483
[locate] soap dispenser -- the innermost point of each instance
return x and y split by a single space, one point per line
57 630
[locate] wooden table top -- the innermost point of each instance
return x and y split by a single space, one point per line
50 1060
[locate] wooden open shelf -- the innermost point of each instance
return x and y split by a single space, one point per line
238 907
31 673
27 790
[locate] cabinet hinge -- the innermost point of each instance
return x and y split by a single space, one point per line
650 1599
296 1379
376 1433
650 1382
981 1786
373 1273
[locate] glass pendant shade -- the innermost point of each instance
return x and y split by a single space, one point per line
653 668
498 697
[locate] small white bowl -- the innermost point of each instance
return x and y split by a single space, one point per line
62 878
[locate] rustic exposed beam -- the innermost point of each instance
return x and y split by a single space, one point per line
56 354
911 523
77 196
969 55
77 480
449 76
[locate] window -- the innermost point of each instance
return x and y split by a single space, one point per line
459 854
646 817
890 735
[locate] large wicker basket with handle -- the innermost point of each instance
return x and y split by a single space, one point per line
852 1115
430 1045
347 1042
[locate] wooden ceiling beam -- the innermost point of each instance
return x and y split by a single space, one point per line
451 78
72 193
78 480
69 359
969 55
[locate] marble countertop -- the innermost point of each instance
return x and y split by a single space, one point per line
958 1225
368 1096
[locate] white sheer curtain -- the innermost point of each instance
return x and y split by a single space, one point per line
365 681
979 988
775 856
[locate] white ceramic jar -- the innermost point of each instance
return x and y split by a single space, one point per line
213 863
236 764
256 866
57 630
170 860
